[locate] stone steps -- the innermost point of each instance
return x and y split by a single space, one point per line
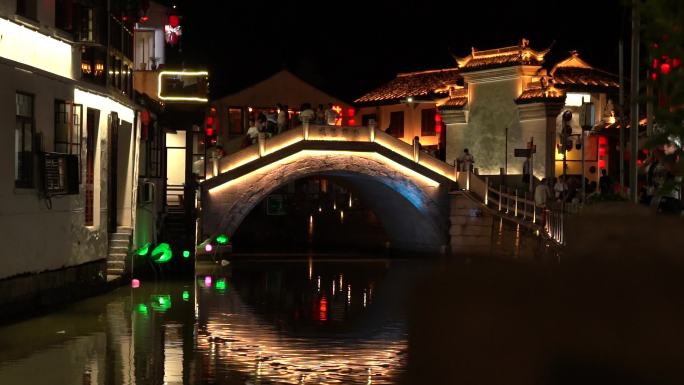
119 245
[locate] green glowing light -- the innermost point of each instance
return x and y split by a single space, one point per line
142 309
143 250
222 239
160 302
186 254
221 284
186 295
162 253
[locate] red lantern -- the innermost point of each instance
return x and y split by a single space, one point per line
665 68
654 76
676 62
174 21
655 63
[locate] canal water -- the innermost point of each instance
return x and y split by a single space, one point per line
300 320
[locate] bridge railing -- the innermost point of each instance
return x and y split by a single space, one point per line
518 206
311 132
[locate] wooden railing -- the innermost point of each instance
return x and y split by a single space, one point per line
518 206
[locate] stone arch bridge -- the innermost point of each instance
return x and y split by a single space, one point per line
407 189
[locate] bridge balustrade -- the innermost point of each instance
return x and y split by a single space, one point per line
514 205
312 132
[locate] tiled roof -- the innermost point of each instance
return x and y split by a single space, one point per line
415 84
501 57
575 73
535 93
454 103
458 98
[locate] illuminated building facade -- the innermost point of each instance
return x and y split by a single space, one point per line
496 101
406 107
68 185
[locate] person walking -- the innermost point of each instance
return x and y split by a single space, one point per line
604 183
542 195
466 160
306 114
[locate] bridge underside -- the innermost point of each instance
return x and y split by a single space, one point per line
409 199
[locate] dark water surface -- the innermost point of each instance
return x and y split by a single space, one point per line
255 321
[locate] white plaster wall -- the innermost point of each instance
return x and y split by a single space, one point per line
36 238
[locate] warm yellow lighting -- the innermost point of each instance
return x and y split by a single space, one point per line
99 69
103 104
239 162
86 69
26 46
342 216
321 153
180 98
575 99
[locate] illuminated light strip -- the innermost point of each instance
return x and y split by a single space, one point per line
180 98
311 153
271 150
30 47
244 160
103 103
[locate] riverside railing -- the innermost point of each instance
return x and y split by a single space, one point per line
518 206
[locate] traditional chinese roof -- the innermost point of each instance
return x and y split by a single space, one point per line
537 94
458 98
520 54
574 73
433 83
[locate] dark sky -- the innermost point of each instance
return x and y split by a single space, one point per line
349 47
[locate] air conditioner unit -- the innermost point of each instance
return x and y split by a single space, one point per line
59 174
146 191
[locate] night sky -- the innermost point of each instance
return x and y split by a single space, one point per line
347 48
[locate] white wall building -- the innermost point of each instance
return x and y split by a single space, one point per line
60 243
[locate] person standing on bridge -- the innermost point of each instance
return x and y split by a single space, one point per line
331 115
466 160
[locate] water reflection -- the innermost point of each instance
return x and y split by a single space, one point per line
249 323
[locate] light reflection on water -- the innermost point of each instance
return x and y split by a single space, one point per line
267 323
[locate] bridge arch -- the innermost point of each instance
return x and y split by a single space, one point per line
410 200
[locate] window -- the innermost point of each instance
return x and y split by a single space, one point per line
427 122
23 141
64 15
27 8
235 121
366 118
68 129
396 126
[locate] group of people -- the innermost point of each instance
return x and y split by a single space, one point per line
276 121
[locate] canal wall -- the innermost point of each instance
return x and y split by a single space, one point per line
470 228
29 294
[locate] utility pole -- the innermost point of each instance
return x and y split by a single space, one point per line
622 120
634 99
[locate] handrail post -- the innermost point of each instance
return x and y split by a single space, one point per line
500 188
534 211
468 180
486 194
515 210
261 139
371 130
416 149
525 206
508 200
305 127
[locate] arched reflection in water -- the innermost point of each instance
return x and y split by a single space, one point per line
298 322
